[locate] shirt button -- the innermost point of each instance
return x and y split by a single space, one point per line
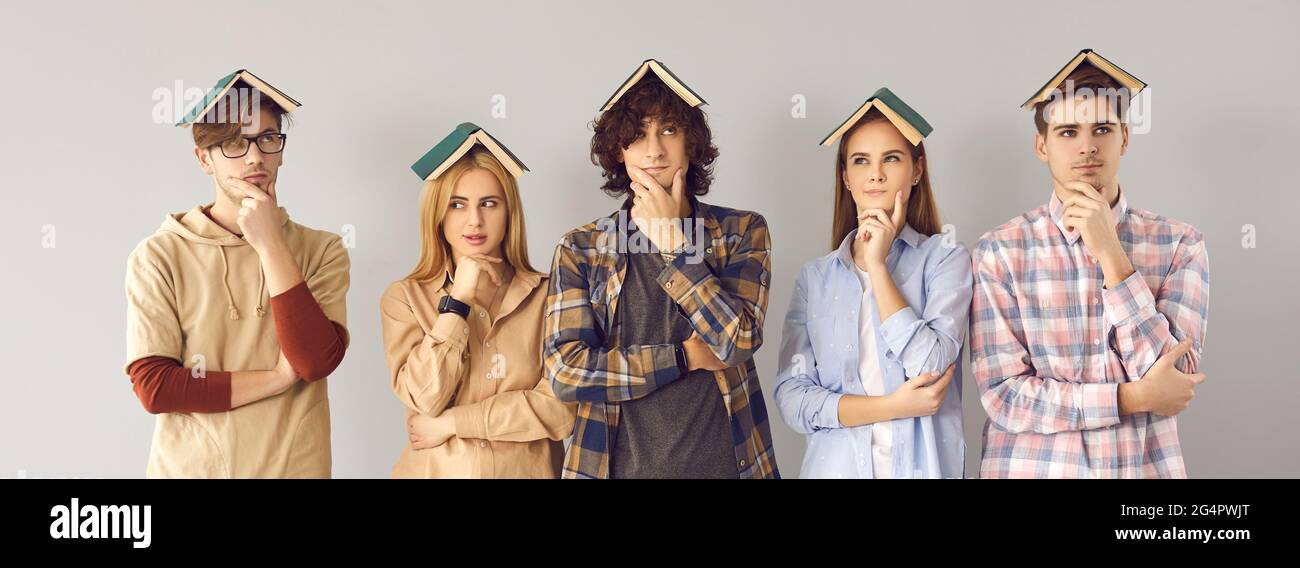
668 284
482 443
1096 342
482 314
708 250
488 376
466 331
487 343
742 463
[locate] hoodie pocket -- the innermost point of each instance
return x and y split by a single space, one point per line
184 447
309 454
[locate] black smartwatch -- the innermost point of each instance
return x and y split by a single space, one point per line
450 305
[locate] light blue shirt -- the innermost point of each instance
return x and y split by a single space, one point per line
820 360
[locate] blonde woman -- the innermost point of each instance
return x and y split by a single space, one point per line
462 332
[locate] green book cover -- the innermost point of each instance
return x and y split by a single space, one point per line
908 113
889 99
224 84
649 69
445 150
217 91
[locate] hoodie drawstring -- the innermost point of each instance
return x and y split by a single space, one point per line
261 289
230 296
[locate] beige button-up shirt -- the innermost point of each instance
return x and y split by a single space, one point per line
487 373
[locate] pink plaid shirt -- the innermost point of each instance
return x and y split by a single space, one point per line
1050 344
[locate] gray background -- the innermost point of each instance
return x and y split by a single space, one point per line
382 82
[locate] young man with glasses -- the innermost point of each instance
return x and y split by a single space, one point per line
235 314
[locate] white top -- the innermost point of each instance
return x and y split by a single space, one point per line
873 381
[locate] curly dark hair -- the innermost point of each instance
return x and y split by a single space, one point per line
620 126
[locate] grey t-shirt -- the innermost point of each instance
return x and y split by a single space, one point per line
680 430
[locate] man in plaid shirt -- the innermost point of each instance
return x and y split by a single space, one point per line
655 312
1088 314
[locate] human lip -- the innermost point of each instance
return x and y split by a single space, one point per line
254 178
475 239
655 170
875 192
1090 167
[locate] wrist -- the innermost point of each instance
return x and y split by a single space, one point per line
1131 398
271 244
1115 267
281 380
462 296
889 402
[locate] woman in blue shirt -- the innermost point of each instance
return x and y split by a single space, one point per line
871 350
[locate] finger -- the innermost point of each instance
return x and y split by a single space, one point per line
493 272
1176 352
485 257
920 381
249 189
1089 191
872 212
646 179
900 209
1073 221
923 380
1083 188
943 381
875 226
1080 202
640 190
248 202
881 217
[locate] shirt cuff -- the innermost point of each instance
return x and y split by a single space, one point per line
1128 299
470 421
682 275
829 415
898 330
1099 404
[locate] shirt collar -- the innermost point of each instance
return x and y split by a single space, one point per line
907 236
1057 209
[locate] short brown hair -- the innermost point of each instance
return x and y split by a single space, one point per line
1095 81
216 129
620 126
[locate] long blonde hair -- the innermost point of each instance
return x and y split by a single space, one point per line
435 251
922 211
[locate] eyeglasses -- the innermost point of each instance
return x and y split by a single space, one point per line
267 143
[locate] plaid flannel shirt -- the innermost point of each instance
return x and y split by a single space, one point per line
722 290
1050 344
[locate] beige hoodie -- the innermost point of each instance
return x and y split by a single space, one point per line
196 293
